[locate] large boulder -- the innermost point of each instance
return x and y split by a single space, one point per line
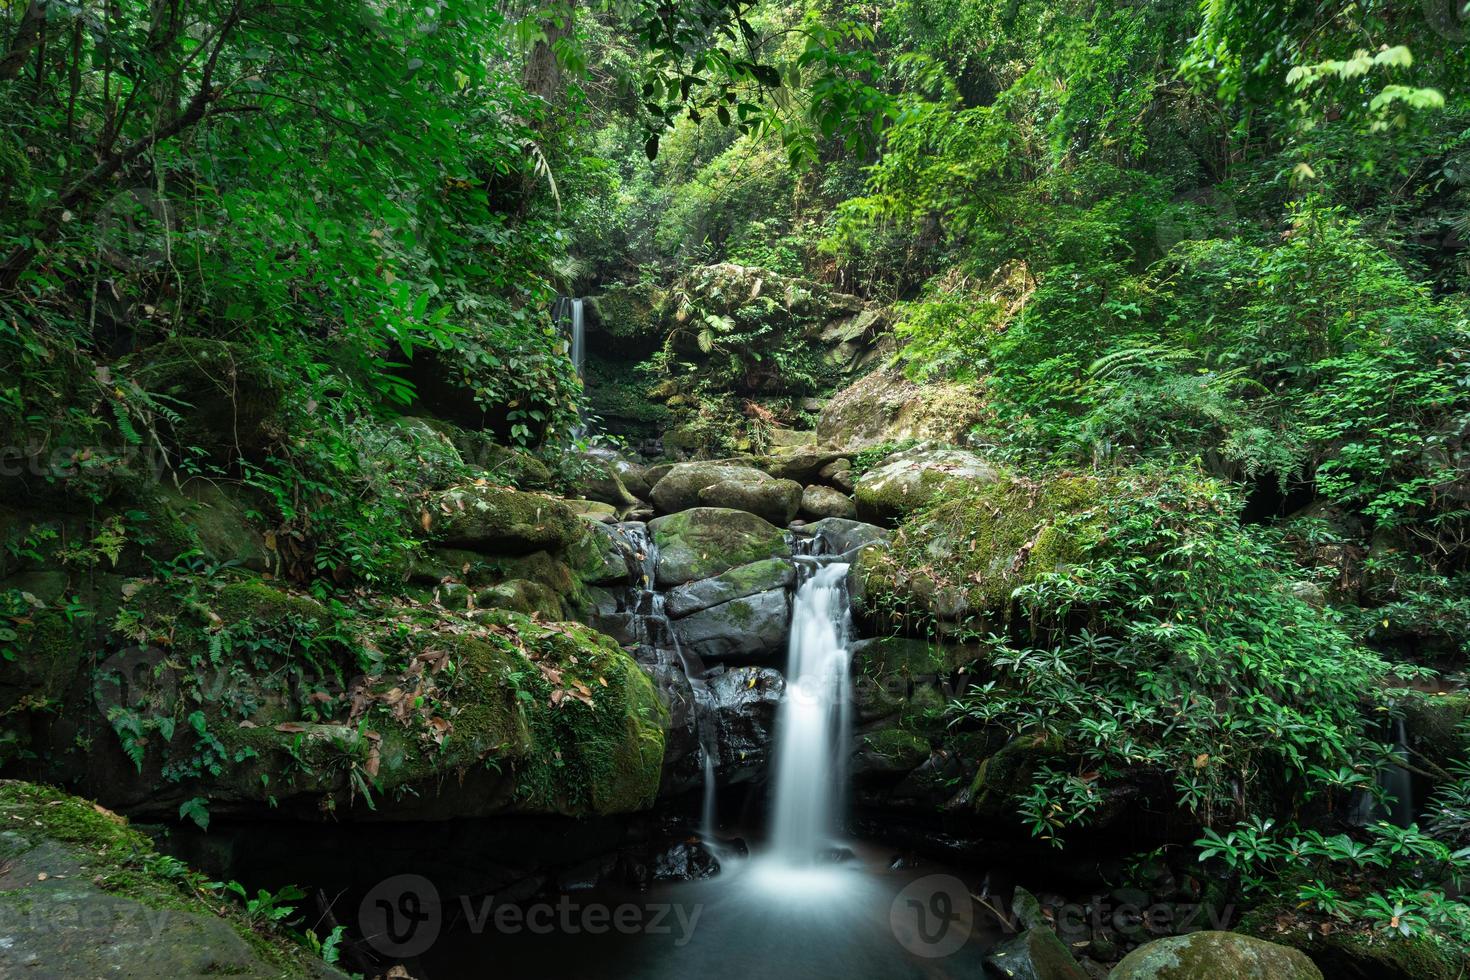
1215 956
745 701
964 557
818 502
884 406
907 481
705 541
755 627
726 484
498 521
78 899
737 583
777 501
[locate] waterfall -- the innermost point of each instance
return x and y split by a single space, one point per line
655 635
568 313
813 723
1396 782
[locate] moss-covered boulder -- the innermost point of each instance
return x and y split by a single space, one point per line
1434 724
724 484
889 751
755 627
1214 956
225 397
82 895
628 313
211 516
818 502
907 481
499 521
1002 780
884 406
962 558
522 596
705 541
737 583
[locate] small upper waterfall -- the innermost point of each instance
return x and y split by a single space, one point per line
569 311
813 722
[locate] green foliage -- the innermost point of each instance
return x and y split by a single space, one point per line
1163 649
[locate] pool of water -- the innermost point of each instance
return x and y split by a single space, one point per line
757 919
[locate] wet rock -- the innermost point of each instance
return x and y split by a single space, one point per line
1215 956
889 751
845 536
803 464
745 701
605 480
753 627
818 502
909 480
705 541
685 861
593 510
604 557
1036 954
737 583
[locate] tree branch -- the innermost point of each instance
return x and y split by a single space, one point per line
27 36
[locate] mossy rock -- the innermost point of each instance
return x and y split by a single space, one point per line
212 516
1435 726
1214 956
496 521
884 407
705 541
601 557
522 596
1003 779
737 583
628 312
104 910
228 396
1036 954
727 484
891 750
904 657
818 502
909 481
963 558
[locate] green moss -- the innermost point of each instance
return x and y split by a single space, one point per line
897 746
965 556
233 393
255 600
706 541
114 859
505 521
1005 777
631 311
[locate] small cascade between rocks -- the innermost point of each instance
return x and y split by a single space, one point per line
656 639
814 723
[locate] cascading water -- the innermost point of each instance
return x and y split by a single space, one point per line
569 311
654 639
813 724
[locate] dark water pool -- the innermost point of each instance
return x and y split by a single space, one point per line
857 919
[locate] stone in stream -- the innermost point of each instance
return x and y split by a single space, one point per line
818 502
754 627
745 701
705 541
844 536
737 583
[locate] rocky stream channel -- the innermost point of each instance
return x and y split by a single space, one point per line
674 719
